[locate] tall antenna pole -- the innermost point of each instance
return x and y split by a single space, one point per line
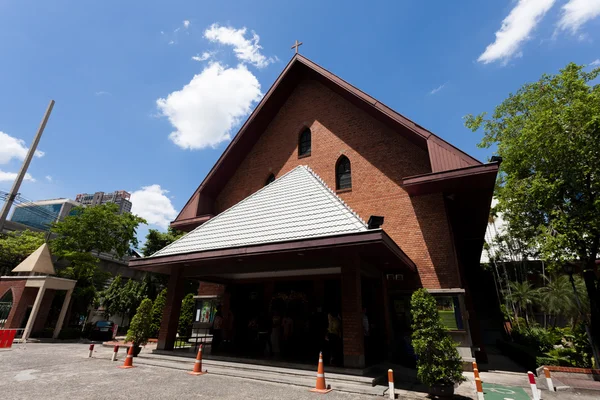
17 184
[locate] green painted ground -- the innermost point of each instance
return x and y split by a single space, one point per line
492 391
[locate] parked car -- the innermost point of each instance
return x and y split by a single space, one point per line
102 330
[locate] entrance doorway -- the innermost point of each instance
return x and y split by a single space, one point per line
282 320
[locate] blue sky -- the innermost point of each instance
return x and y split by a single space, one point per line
135 111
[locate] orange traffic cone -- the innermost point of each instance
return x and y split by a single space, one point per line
321 387
129 359
198 364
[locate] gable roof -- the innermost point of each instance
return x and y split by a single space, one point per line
443 156
39 261
298 205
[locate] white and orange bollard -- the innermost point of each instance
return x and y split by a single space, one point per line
392 392
534 390
321 386
549 380
114 354
91 350
198 364
479 388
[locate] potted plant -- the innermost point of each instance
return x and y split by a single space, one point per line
439 365
141 326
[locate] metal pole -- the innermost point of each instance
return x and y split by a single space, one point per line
17 184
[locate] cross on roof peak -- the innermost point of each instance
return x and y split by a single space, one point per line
296 45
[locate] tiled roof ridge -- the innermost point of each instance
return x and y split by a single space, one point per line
216 218
331 191
348 213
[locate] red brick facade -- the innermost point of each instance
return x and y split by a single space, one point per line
380 158
23 297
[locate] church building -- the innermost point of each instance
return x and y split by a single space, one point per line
320 219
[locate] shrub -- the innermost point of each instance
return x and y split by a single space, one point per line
139 328
438 360
186 316
157 311
538 339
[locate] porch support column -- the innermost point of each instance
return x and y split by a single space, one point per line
63 312
352 329
34 311
170 317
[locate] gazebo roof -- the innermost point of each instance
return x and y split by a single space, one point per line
297 206
40 261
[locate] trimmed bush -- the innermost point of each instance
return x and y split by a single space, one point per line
139 328
438 361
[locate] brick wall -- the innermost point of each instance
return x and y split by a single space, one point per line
17 286
380 157
210 289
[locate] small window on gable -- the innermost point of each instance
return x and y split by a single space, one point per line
304 143
270 179
343 175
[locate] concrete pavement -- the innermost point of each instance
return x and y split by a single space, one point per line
60 370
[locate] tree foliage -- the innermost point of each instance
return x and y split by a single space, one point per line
87 230
139 329
100 228
157 240
548 135
157 312
186 316
17 246
123 298
438 359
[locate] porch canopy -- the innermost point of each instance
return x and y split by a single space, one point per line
294 226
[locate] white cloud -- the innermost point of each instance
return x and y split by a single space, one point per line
437 89
205 110
577 12
11 147
102 93
246 50
186 24
11 176
171 42
203 57
152 204
595 63
515 30
48 178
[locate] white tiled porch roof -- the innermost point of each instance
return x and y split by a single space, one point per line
298 205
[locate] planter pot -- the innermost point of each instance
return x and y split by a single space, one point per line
442 390
136 350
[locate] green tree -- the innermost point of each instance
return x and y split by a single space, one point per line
557 297
139 329
157 312
111 298
78 236
17 246
547 134
186 316
524 296
438 360
156 240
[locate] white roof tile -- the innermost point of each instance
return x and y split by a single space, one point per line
296 206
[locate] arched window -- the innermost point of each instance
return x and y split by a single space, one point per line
343 175
270 179
304 143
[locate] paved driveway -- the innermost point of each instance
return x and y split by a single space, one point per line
63 371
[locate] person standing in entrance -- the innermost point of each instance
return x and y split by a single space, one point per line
217 329
334 335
